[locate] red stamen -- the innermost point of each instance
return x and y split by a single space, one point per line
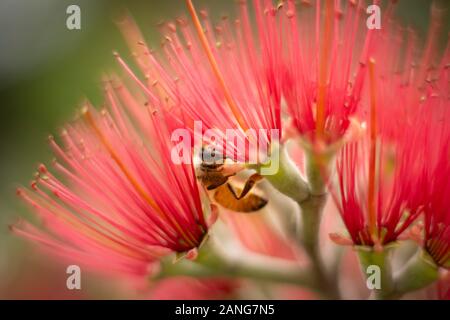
205 44
90 120
323 72
373 152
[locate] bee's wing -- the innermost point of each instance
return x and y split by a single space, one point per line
225 195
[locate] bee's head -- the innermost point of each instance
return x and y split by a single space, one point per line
211 156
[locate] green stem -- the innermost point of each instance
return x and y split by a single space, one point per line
376 266
287 178
419 272
211 263
316 164
312 210
311 198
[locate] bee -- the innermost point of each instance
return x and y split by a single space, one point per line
215 177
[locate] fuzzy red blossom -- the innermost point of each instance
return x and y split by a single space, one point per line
375 214
436 184
226 75
383 179
324 66
116 202
437 213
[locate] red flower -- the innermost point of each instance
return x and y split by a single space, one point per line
220 75
386 180
437 211
436 184
323 77
118 202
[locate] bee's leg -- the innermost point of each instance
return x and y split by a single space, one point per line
251 181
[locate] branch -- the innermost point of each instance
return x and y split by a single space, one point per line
211 263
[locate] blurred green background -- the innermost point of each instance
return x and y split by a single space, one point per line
45 70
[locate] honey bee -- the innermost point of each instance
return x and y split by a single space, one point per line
214 177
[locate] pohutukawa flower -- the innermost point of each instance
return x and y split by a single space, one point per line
437 214
227 76
371 194
436 183
383 179
118 203
324 66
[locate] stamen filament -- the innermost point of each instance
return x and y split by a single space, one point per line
205 44
373 152
323 72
